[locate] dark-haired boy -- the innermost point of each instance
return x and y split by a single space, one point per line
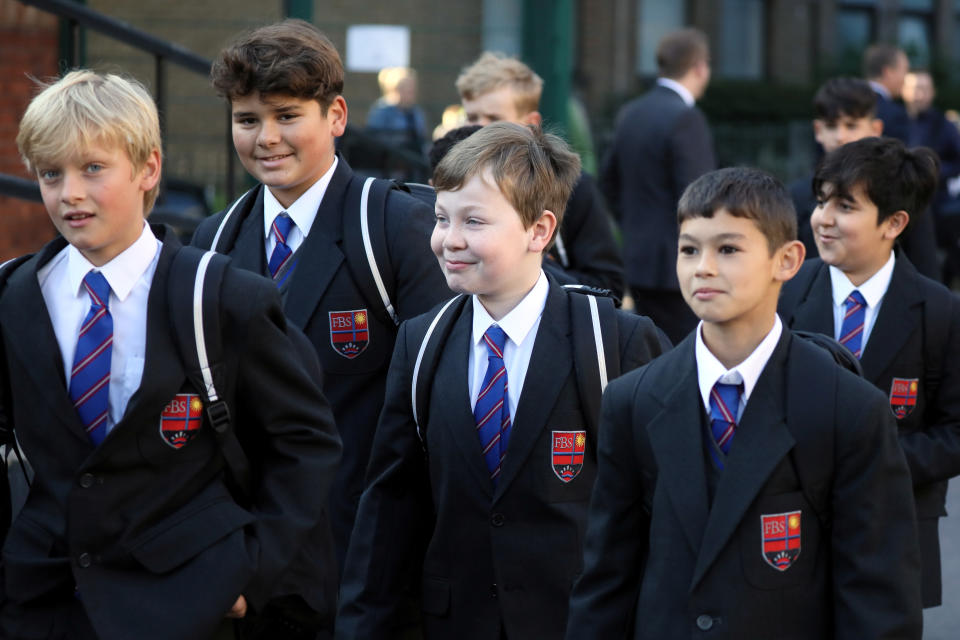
284 84
499 500
904 326
735 496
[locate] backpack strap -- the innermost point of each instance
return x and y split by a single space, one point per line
230 225
365 234
427 357
199 342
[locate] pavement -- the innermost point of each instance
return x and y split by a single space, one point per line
943 622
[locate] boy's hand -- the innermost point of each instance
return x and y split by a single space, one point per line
239 608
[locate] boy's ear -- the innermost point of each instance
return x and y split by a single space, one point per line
533 118
150 173
818 126
895 224
789 259
542 231
877 125
337 116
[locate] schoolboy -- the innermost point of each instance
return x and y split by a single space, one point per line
904 327
497 88
284 84
736 494
129 529
497 508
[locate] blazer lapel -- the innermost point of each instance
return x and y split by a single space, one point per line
248 249
550 364
320 256
899 315
815 312
26 316
677 440
760 443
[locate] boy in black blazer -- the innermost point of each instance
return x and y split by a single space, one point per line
748 487
129 529
908 337
284 84
496 494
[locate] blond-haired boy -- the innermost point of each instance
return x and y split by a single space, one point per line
129 528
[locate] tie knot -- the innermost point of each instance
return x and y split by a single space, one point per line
855 298
282 225
495 338
97 288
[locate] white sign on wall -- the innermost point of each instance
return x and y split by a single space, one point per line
371 47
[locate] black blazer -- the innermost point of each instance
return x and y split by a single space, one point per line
663 562
149 534
896 122
897 348
321 285
497 561
660 146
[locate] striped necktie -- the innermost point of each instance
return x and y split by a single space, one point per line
280 229
90 376
492 411
851 329
724 404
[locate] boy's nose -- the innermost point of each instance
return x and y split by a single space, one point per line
71 188
706 265
269 134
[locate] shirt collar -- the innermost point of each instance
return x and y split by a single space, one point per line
872 290
121 273
303 211
518 322
879 88
684 93
710 370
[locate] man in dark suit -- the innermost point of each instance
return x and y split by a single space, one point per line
885 67
661 144
910 334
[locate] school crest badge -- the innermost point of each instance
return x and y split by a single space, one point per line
903 396
567 449
780 535
181 419
349 333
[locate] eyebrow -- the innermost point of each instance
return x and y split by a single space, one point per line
719 237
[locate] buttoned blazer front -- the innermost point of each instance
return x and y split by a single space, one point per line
149 534
497 560
659 147
322 283
897 348
663 562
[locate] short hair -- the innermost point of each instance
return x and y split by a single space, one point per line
84 108
493 71
441 146
894 177
852 97
680 50
389 78
743 192
534 170
878 57
291 58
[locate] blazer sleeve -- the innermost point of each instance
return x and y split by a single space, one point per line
394 516
933 451
280 406
641 341
604 598
874 547
420 284
691 149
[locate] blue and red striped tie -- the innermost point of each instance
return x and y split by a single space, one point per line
90 376
492 411
724 405
851 329
280 228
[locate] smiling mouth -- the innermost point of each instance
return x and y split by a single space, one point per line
274 158
77 215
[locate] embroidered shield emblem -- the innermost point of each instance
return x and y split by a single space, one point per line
780 534
349 335
181 419
903 396
567 449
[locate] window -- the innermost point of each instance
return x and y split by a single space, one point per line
742 39
655 18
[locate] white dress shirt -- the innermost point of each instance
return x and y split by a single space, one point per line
129 275
710 370
303 211
521 326
872 291
681 90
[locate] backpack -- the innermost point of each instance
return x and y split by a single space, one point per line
596 353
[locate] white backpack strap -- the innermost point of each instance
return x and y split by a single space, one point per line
223 223
416 366
198 326
368 247
561 251
598 340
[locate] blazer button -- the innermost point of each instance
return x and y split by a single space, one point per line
493 590
86 480
84 560
704 622
497 519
